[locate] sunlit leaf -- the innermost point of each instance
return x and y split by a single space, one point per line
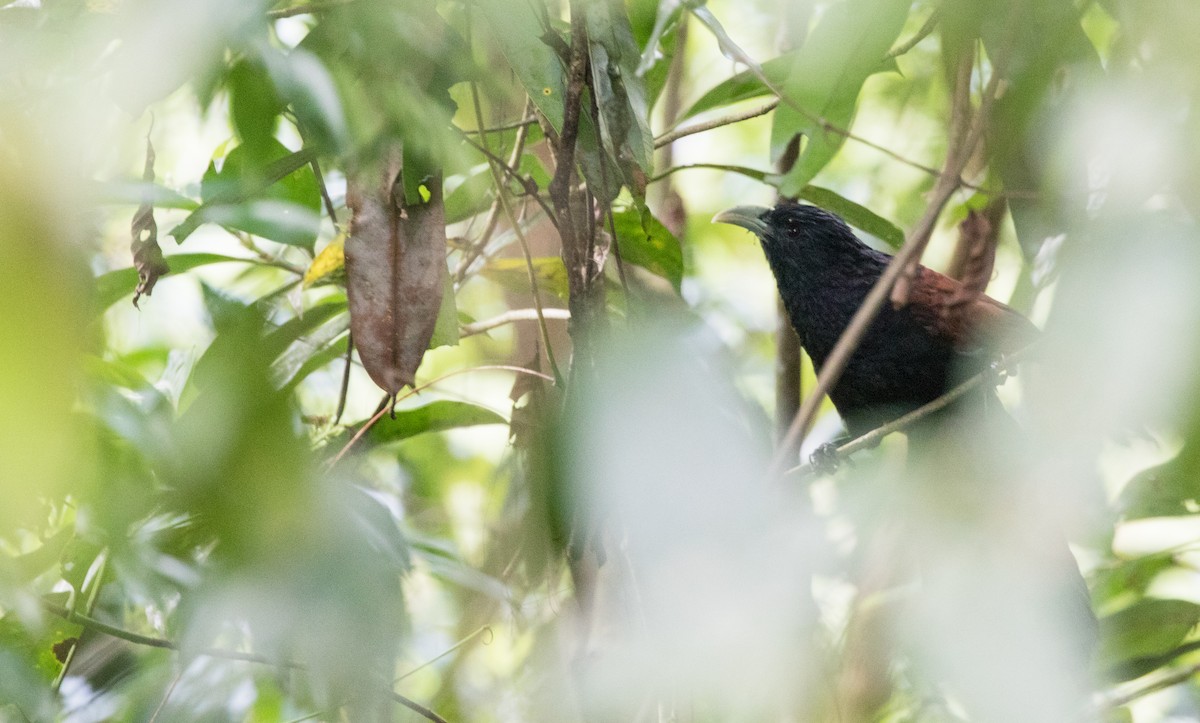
116 285
825 78
329 266
855 214
644 241
433 417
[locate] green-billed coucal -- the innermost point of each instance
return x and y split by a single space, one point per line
909 355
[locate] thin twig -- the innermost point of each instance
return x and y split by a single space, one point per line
325 197
482 629
674 135
527 183
510 316
344 391
170 689
1154 686
530 121
930 23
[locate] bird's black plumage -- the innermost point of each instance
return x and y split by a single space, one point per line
909 356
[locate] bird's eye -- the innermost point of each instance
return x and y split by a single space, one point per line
793 227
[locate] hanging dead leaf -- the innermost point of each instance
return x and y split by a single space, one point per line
147 255
395 267
975 256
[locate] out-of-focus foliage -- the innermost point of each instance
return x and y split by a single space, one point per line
208 510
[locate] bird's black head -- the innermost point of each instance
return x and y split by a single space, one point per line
798 234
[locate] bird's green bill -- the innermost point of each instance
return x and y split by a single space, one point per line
748 217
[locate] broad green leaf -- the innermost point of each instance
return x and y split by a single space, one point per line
254 106
470 195
433 417
306 84
644 241
855 214
116 285
1166 490
519 33
1145 630
292 330
824 81
513 275
310 354
137 192
744 86
277 199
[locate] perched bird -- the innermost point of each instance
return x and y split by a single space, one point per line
909 356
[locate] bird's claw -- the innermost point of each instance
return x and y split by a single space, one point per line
998 371
825 458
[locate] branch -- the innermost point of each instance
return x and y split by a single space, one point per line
674 135
930 23
993 376
91 623
509 317
1166 681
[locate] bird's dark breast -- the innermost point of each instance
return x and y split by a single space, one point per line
897 367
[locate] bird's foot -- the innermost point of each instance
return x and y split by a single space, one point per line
998 371
825 459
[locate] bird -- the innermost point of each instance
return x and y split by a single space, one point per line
910 355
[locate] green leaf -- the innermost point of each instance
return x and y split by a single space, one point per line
292 330
254 106
433 417
519 33
1144 631
744 86
309 88
856 215
270 193
299 362
136 192
1166 490
825 78
116 285
644 241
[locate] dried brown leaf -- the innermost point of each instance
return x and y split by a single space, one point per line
975 256
395 270
147 255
